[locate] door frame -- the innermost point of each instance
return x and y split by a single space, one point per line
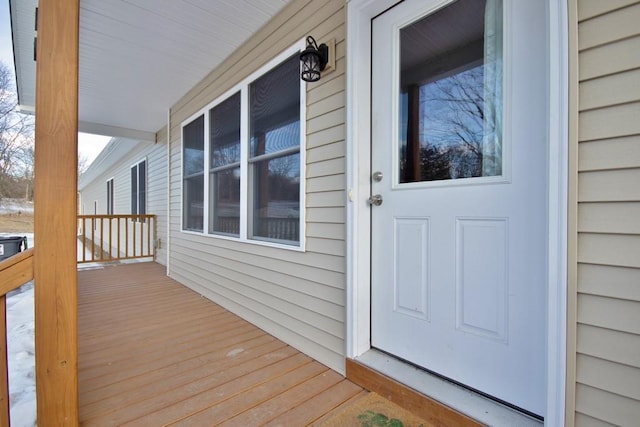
358 151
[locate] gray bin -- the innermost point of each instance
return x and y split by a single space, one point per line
11 245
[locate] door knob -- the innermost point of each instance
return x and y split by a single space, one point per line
375 200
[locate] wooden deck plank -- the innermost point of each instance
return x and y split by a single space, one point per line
161 403
253 347
253 396
153 352
174 333
284 402
157 360
118 394
353 400
208 397
182 342
321 404
190 310
134 332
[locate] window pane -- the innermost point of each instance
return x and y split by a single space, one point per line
451 93
193 141
225 202
225 132
275 109
134 190
193 203
142 187
276 211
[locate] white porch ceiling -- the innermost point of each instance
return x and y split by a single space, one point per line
138 57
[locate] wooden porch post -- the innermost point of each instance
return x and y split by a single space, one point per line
55 268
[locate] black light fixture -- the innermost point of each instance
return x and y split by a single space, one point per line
313 60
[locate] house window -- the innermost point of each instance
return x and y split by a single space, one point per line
251 143
110 197
274 108
193 174
139 188
224 164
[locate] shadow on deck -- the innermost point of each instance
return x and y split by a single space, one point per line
152 352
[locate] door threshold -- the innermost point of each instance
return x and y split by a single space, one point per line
457 402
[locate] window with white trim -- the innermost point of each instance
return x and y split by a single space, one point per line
139 188
224 167
193 175
110 196
251 143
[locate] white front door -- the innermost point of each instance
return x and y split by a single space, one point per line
459 162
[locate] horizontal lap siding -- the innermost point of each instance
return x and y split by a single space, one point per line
608 303
298 297
156 156
157 192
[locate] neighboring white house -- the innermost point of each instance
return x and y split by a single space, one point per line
458 192
127 177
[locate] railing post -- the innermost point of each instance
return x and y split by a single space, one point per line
56 163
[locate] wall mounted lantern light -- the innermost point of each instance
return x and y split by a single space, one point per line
313 60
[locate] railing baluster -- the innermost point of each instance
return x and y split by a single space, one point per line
110 238
4 369
84 239
101 238
93 240
118 253
148 222
126 238
133 233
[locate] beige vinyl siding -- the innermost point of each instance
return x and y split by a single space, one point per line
586 421
155 155
297 296
157 192
607 363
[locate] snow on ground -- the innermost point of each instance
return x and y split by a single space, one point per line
14 206
21 350
20 345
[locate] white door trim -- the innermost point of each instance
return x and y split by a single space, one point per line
358 297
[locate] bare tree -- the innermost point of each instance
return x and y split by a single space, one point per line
83 164
16 140
460 116
458 134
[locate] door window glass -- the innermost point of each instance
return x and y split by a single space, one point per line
451 93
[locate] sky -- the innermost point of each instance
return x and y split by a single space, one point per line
89 146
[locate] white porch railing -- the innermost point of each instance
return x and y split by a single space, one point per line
105 238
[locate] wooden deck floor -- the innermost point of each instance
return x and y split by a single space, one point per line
154 353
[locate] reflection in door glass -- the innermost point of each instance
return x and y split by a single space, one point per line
451 93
